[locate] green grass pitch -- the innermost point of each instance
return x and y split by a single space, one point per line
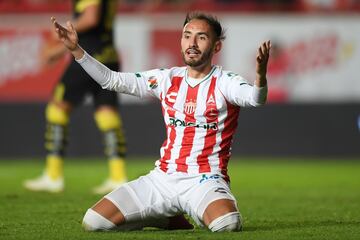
292 199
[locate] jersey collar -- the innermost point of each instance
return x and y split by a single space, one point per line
193 82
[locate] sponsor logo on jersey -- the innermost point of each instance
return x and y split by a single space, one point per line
174 122
152 81
171 97
211 114
190 106
211 100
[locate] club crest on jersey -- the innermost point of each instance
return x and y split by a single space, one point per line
190 106
152 81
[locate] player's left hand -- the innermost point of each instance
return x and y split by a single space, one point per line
262 58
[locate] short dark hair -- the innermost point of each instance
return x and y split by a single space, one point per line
210 19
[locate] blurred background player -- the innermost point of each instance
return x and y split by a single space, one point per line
93 20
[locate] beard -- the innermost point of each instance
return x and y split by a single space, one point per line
205 56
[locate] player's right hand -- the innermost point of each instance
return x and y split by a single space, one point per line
66 34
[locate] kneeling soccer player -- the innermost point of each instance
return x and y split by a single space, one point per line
200 104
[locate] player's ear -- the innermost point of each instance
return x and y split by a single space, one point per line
218 46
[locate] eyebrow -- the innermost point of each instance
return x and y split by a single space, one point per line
199 33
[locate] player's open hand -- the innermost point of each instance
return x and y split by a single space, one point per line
66 34
262 58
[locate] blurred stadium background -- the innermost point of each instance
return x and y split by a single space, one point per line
296 161
314 98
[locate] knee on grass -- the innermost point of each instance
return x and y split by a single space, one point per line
93 221
229 222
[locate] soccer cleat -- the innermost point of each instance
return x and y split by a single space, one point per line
45 184
108 186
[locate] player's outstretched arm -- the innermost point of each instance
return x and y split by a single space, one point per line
262 59
69 37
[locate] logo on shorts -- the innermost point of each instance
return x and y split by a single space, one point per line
205 177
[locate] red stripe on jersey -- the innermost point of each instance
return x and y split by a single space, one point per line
189 131
163 113
169 100
211 113
230 125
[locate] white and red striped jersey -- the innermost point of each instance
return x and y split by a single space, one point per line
200 114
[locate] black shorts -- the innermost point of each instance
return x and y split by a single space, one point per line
75 84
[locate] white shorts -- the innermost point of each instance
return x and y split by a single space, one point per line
159 195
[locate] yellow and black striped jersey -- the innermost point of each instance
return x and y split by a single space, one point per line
98 41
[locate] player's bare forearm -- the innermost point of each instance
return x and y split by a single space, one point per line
262 59
260 80
68 36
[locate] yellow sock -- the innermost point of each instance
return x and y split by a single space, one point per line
117 169
54 166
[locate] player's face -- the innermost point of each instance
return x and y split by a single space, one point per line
197 43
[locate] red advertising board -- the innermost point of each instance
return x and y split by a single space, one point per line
23 78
